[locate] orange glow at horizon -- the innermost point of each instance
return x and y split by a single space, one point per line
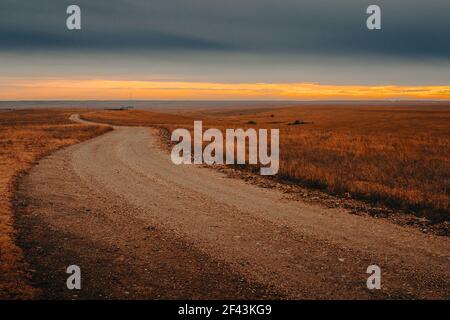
165 90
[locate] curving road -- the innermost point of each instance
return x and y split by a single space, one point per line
141 227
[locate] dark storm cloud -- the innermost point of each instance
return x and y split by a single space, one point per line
33 39
411 28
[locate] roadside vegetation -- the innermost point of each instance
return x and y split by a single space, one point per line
25 137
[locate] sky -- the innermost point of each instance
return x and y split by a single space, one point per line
224 50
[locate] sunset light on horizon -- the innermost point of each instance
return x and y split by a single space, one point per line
99 89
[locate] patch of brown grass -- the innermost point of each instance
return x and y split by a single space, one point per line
136 118
26 136
396 156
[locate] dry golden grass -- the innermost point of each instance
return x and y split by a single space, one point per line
136 118
397 156
25 136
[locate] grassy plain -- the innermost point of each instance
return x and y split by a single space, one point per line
397 156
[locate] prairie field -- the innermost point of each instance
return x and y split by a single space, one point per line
397 156
394 156
25 137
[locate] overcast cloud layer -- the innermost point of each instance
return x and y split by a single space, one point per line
416 31
410 27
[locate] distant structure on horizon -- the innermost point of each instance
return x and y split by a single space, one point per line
121 108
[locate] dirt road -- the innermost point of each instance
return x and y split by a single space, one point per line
141 227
